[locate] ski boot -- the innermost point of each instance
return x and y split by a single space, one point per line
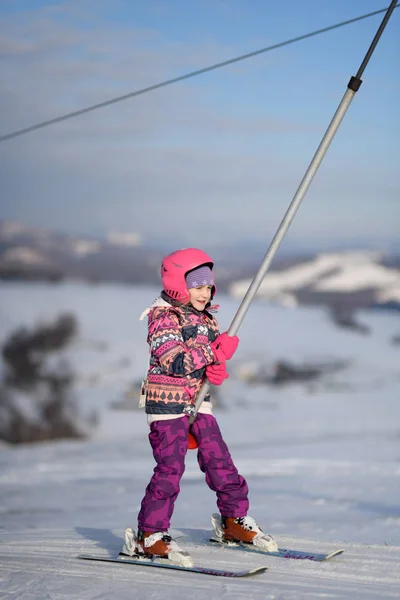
157 544
243 530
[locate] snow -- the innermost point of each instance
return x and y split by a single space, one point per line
25 255
124 238
391 294
321 459
368 275
10 229
85 247
334 272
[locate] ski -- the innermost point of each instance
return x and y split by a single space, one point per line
281 552
145 562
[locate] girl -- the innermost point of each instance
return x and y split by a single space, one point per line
185 347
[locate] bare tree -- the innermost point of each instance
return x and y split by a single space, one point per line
36 400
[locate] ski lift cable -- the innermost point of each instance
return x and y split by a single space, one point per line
151 88
352 87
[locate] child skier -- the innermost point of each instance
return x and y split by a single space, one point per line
185 347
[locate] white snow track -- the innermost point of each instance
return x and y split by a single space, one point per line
38 564
321 463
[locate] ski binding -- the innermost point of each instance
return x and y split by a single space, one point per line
266 541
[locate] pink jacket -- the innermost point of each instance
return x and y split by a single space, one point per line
179 338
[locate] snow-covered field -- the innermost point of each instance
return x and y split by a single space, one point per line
322 460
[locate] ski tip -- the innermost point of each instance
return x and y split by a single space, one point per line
334 553
257 570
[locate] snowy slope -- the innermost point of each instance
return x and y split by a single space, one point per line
342 273
322 462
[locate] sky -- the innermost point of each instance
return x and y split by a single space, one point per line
216 158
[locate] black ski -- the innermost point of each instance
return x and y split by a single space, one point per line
145 562
280 553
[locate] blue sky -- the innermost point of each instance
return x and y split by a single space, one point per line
218 157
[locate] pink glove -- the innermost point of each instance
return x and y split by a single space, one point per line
216 373
224 347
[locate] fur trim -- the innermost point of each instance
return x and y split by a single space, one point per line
159 301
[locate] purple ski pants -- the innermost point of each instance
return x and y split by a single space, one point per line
169 441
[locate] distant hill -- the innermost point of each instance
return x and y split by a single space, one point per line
33 253
343 280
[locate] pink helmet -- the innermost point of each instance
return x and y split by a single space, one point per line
175 266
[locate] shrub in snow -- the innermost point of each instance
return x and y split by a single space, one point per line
36 394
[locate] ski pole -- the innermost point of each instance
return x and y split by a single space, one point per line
352 87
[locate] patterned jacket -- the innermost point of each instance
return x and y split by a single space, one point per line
179 338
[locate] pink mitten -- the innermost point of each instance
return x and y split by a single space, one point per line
216 373
225 344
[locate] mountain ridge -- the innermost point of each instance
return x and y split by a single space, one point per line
344 280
